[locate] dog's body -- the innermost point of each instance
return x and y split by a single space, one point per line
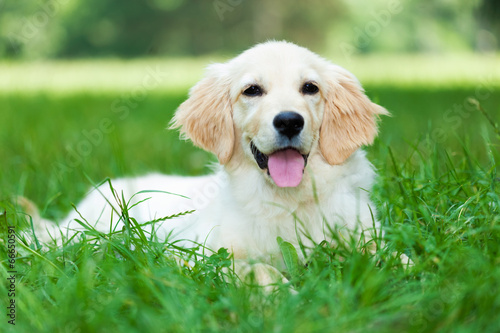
267 114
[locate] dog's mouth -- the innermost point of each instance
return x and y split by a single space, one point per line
285 166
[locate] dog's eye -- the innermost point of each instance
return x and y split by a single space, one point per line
309 88
253 91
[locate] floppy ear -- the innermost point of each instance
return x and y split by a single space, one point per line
349 119
206 116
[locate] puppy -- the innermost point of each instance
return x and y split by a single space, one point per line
286 126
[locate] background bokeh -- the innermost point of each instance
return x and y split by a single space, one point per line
113 28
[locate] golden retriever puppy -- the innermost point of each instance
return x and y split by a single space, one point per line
286 126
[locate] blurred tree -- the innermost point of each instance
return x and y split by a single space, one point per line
177 27
87 28
15 27
489 21
409 26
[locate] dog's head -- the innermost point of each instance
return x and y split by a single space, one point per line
275 105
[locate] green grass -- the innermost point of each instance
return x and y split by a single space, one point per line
118 76
438 201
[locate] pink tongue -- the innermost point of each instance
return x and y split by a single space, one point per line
286 167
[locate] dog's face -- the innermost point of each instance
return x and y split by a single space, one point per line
276 104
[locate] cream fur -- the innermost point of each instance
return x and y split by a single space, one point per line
239 207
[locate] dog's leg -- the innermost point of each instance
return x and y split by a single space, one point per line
45 230
260 274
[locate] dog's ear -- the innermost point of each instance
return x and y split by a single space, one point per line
206 116
349 119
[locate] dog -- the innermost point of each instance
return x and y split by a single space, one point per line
287 127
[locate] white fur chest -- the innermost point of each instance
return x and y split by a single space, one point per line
248 218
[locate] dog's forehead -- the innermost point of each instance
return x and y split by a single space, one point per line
277 75
276 61
277 49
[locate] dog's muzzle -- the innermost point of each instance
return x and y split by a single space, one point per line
285 166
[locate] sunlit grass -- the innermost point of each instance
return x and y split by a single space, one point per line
177 75
100 76
426 71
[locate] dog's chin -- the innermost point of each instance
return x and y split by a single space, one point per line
285 166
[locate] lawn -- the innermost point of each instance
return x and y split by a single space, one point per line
64 126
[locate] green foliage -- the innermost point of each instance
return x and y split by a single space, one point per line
155 27
290 257
77 28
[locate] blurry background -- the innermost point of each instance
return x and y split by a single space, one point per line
87 88
113 28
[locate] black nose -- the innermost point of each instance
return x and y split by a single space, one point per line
288 123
